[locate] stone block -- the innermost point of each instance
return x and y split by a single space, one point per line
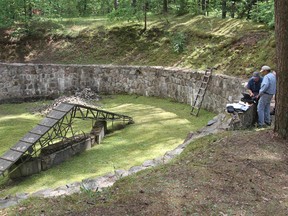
248 118
121 173
98 131
149 163
26 169
63 154
136 169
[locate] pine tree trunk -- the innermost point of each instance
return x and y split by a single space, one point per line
224 9
115 4
199 6
85 8
134 3
207 7
233 8
25 9
281 32
165 6
203 7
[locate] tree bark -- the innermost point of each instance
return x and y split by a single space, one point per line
134 3
233 8
224 9
115 4
165 6
281 36
25 9
203 7
199 6
85 7
207 7
145 8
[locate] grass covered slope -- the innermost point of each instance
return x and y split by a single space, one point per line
234 46
15 122
160 126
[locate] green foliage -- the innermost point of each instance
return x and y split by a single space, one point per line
126 11
87 191
19 11
178 42
263 12
182 7
35 29
124 14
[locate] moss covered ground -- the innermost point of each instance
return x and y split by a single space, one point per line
160 125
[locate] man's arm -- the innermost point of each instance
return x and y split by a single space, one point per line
264 86
248 86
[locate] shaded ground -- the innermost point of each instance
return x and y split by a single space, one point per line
235 173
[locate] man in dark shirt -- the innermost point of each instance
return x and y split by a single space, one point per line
254 84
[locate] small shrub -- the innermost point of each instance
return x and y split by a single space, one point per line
35 28
178 42
263 12
181 8
90 193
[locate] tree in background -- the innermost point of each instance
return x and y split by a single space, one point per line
224 9
281 30
165 6
83 7
263 12
14 11
182 7
233 9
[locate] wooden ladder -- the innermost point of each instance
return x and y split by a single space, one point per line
201 93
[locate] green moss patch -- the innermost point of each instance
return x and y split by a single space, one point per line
160 126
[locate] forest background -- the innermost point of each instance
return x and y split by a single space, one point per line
13 11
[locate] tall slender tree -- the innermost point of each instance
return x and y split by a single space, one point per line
281 31
224 9
165 6
115 4
233 9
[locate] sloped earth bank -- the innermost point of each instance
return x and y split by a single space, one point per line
243 173
234 46
232 173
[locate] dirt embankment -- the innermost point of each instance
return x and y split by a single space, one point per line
235 173
241 174
87 47
234 49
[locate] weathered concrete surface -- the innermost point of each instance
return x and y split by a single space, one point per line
46 161
35 80
29 168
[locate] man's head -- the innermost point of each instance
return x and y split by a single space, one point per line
265 70
256 76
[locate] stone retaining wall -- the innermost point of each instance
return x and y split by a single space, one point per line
39 80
